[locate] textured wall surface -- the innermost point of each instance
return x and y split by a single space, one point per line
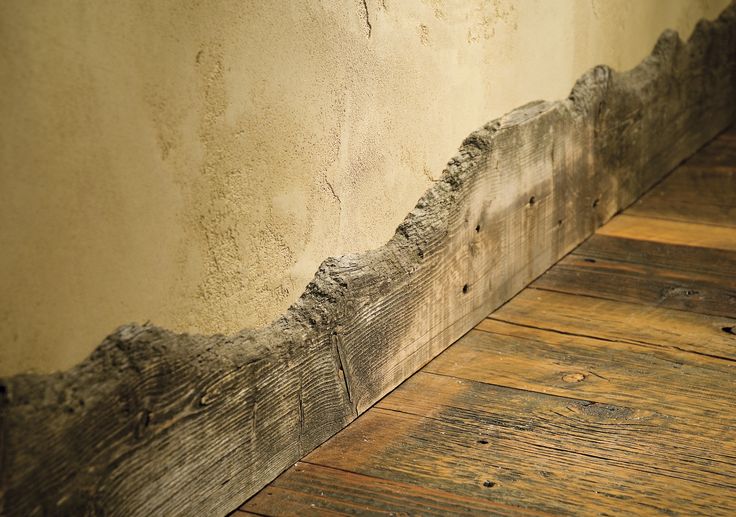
191 163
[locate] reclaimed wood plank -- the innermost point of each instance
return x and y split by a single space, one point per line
670 232
653 327
669 381
311 489
535 451
675 257
155 422
695 291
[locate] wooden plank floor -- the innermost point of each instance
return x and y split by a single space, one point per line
606 387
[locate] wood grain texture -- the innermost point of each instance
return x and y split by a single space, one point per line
527 451
668 256
671 232
594 398
310 489
603 370
647 326
704 292
157 423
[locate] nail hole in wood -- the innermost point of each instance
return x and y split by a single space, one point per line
595 202
477 229
559 222
592 261
489 484
465 288
532 200
484 442
729 330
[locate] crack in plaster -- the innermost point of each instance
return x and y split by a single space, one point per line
367 18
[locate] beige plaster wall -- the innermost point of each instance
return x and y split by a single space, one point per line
192 163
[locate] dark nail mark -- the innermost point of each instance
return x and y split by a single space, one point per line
729 330
484 442
477 229
532 200
489 484
591 260
465 288
595 202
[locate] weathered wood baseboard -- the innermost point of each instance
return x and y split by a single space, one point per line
157 423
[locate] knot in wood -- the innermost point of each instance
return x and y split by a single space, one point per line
573 377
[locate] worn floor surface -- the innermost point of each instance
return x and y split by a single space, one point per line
608 386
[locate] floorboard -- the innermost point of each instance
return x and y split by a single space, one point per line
703 190
650 327
705 293
606 387
592 369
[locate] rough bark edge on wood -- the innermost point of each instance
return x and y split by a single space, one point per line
157 423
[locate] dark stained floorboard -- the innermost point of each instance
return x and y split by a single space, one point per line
607 387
